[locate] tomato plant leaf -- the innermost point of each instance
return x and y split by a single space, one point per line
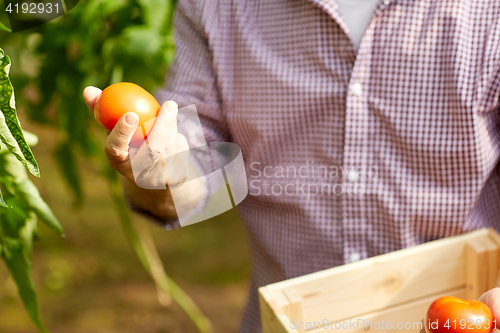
16 255
14 218
27 233
11 133
26 191
2 201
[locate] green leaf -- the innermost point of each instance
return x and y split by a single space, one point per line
4 28
31 139
97 9
11 246
2 201
26 191
27 232
11 133
5 180
13 219
156 12
16 255
140 41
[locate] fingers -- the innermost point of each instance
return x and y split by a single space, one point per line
116 146
165 126
158 162
492 299
90 95
161 142
176 166
162 138
150 170
182 143
171 169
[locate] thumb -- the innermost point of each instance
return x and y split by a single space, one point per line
90 94
117 141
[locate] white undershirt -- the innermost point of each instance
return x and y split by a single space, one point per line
357 15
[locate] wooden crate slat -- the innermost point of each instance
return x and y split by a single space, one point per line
476 261
411 312
492 265
274 319
496 239
282 301
295 305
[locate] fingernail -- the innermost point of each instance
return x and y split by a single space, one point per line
131 119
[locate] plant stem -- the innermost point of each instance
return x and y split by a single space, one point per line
149 258
157 269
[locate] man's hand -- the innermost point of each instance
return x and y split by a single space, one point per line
156 162
492 299
161 161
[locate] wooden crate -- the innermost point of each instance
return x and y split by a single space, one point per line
394 287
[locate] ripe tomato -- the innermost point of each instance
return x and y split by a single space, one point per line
123 97
452 315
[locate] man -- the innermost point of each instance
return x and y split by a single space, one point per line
389 108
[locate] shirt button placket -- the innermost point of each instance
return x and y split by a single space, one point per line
354 221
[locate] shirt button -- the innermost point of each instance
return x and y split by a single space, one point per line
357 89
352 176
354 257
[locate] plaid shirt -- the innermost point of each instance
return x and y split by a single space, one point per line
401 139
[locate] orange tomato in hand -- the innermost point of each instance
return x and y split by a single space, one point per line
123 97
452 315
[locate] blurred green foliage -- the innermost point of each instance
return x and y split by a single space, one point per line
99 42
22 207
